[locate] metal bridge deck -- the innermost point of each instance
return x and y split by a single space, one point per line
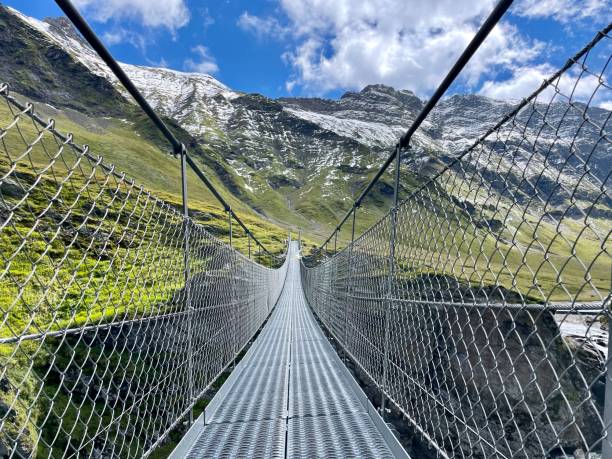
290 396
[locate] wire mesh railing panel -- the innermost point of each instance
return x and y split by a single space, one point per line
497 311
365 316
105 342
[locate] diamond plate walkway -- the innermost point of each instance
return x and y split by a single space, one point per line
290 396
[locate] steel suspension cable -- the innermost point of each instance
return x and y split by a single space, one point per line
178 148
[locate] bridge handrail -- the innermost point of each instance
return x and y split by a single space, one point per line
480 305
117 311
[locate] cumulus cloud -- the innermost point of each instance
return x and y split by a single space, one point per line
404 43
261 27
205 62
565 10
524 81
171 14
573 84
121 35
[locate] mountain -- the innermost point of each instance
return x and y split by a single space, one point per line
298 161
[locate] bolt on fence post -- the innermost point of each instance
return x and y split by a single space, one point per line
390 282
188 304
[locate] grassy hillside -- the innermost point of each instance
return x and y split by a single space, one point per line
124 144
474 241
81 245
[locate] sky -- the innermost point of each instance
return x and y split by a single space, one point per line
324 48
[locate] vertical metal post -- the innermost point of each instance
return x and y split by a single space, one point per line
250 288
606 448
270 287
390 282
355 207
333 284
234 299
267 294
349 278
188 304
336 242
252 293
229 218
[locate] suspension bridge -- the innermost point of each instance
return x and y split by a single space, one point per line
290 396
472 320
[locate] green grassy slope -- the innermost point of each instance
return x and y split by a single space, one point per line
81 246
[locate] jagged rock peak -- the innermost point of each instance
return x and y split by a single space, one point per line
382 96
386 90
310 103
63 26
258 102
382 90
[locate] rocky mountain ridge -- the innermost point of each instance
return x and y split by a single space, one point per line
303 159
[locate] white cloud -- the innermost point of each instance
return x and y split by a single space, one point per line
206 62
408 44
565 10
121 35
206 19
112 38
171 14
289 85
524 81
261 27
607 105
572 84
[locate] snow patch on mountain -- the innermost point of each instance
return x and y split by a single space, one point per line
332 146
185 96
367 133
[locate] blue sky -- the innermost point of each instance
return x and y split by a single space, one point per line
324 48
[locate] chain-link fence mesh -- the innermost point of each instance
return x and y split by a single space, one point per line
104 345
487 326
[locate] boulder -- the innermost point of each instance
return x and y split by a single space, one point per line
12 189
